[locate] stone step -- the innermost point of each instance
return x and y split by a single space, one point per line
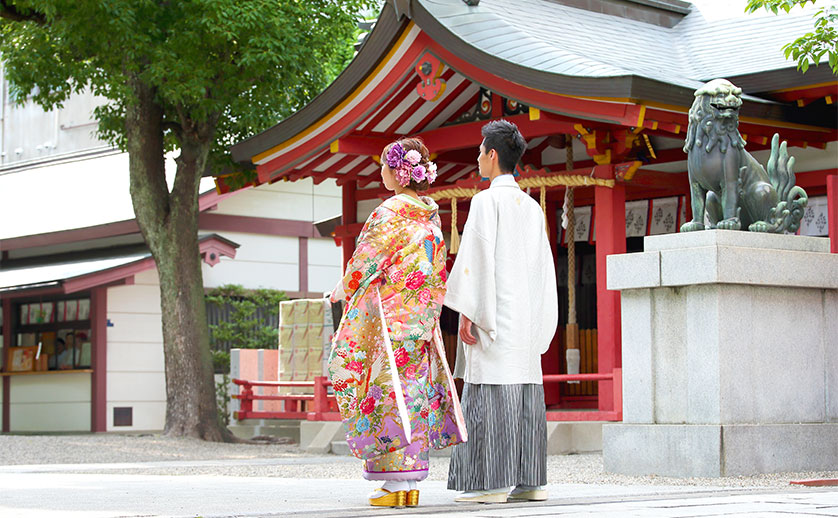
340 448
562 438
249 428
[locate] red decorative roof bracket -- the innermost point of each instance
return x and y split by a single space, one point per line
429 69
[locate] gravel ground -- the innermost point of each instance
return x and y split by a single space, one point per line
193 457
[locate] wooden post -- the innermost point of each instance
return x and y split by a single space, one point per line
303 265
99 360
350 214
832 211
319 405
610 239
551 360
246 399
7 343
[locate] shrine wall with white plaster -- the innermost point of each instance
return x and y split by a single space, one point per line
300 200
136 375
49 402
266 261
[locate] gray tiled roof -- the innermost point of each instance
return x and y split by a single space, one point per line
547 36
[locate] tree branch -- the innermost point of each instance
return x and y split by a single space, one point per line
11 12
175 127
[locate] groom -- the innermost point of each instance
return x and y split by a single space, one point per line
503 284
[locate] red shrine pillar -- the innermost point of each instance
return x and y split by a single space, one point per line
832 211
610 225
350 216
551 361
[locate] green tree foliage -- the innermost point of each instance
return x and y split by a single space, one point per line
244 329
188 75
812 46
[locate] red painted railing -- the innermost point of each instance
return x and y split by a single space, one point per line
616 397
323 407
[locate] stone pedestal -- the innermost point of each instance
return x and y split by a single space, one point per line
730 356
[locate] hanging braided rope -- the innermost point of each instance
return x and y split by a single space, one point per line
568 181
542 182
572 332
571 259
543 203
453 192
454 245
523 183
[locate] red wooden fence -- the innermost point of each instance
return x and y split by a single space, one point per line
321 406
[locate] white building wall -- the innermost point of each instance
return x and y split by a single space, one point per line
53 402
135 368
300 200
261 262
324 264
273 261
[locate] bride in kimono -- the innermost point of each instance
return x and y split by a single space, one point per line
392 383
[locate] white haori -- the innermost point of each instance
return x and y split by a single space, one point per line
504 281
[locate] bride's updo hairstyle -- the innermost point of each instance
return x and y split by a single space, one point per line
410 162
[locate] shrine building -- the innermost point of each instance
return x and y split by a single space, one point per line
601 90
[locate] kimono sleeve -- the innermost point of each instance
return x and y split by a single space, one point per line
471 284
367 261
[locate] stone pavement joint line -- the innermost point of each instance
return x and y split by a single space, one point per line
150 476
73 495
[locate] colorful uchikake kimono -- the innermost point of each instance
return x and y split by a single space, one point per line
393 386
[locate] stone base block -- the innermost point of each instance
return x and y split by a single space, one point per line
565 437
692 450
249 428
317 436
341 448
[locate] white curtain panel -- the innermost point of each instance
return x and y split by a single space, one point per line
815 221
664 216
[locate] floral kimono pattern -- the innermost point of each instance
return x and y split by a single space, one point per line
394 286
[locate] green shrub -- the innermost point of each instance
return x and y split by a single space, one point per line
253 318
221 362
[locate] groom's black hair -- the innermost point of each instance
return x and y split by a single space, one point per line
504 137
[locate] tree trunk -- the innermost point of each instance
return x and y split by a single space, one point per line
169 224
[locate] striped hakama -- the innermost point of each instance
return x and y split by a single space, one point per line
507 443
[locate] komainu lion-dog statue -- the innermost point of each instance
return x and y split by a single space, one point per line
726 182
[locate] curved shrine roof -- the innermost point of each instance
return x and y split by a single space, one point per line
573 64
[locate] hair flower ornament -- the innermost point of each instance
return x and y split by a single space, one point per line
406 165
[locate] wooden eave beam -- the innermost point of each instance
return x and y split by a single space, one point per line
811 179
647 179
332 171
370 194
465 156
353 173
444 177
807 94
353 144
449 138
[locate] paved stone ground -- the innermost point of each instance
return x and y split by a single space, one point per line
101 476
